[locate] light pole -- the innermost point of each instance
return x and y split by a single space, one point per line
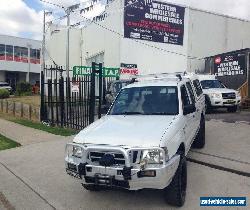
67 42
44 37
68 11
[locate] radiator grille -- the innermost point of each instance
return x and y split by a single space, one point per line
97 155
228 95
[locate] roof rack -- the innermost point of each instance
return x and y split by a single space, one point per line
159 76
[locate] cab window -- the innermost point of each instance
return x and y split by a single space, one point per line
184 96
191 93
198 88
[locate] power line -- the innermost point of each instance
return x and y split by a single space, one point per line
121 35
51 57
140 42
57 5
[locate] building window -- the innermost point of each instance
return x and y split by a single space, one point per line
2 52
35 56
38 55
24 54
17 54
9 52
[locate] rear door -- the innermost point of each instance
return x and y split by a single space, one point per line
195 100
200 98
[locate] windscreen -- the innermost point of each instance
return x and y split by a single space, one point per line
146 101
206 84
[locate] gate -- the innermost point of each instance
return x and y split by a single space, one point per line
73 102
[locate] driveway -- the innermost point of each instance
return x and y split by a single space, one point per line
33 176
223 115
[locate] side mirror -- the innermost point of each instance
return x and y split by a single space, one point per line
189 109
104 109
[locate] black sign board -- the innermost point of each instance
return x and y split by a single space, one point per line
154 21
230 69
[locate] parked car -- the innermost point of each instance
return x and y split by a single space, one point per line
5 85
217 95
143 140
113 89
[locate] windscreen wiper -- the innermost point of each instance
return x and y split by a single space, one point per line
130 113
160 113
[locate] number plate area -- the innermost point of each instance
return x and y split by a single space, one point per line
104 179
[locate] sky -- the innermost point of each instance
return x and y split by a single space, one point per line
24 18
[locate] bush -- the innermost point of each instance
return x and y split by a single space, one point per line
4 93
24 89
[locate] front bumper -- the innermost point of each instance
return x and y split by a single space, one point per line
128 176
220 102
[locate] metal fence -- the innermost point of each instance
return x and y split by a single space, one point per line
73 102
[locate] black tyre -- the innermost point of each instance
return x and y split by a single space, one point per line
232 109
208 106
175 193
91 187
199 141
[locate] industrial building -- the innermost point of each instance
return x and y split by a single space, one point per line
19 60
151 36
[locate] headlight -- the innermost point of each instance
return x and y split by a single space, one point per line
77 151
238 95
216 95
152 157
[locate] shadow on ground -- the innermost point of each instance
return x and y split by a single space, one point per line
223 115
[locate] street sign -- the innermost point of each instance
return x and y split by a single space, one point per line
86 71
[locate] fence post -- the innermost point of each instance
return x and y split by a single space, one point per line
92 94
50 101
21 110
100 90
7 106
61 98
14 108
42 106
30 112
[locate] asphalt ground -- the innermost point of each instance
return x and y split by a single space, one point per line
33 176
223 115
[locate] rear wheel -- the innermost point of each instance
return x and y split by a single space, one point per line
208 106
232 109
199 141
176 191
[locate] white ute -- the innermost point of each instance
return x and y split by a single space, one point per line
143 140
217 95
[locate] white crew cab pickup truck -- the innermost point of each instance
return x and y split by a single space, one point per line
143 140
217 95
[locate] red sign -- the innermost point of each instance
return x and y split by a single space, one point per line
9 58
17 58
129 71
217 60
34 61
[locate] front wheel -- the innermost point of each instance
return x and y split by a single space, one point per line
176 192
199 141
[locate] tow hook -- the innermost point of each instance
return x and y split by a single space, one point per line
126 172
82 169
